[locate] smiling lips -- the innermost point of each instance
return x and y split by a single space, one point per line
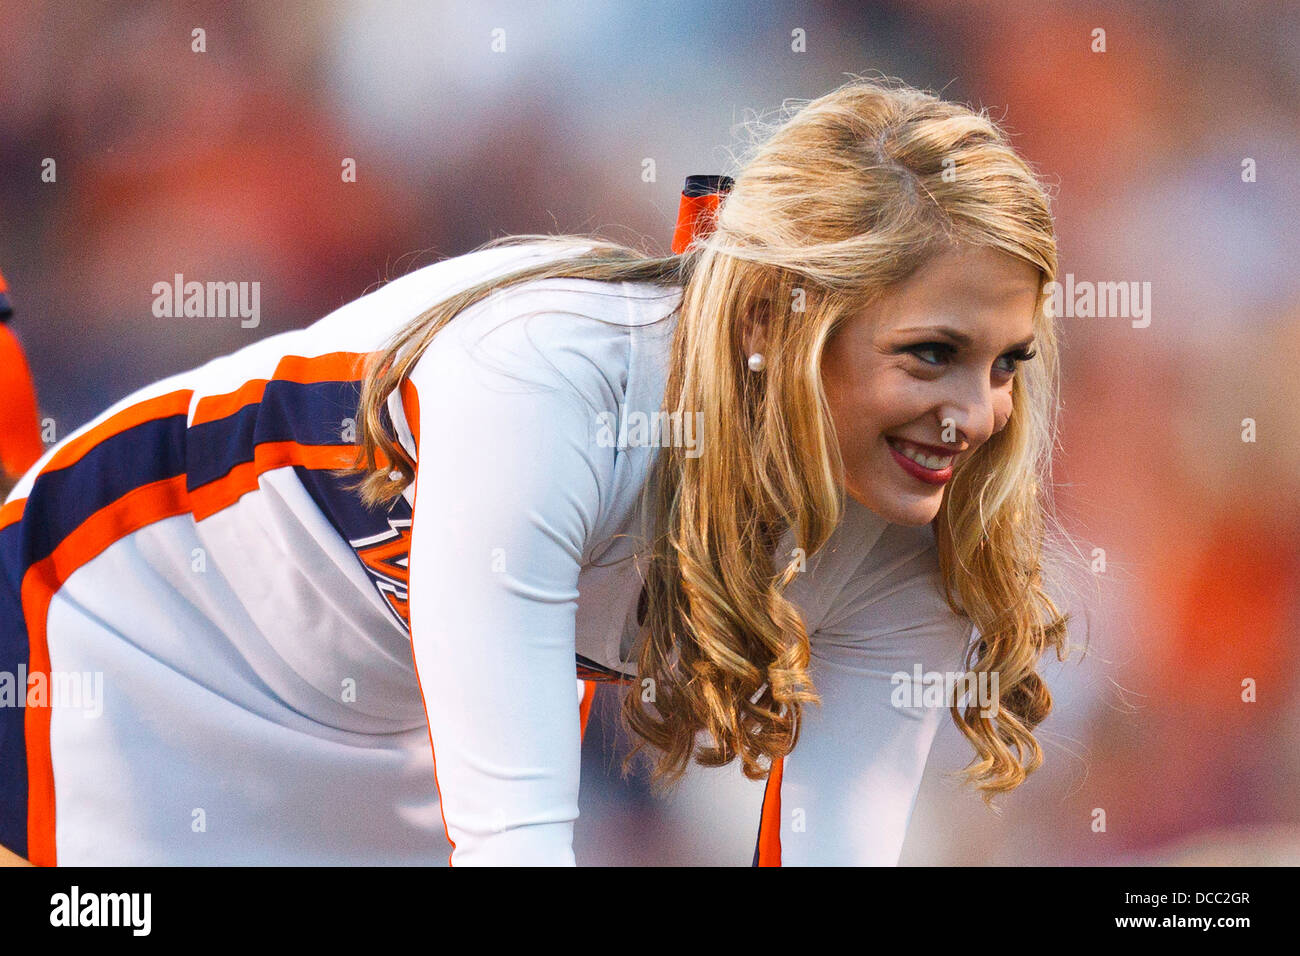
921 462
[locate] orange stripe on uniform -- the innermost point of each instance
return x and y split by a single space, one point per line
330 367
138 508
208 499
302 370
134 510
584 708
151 409
411 406
213 407
769 827
11 512
410 598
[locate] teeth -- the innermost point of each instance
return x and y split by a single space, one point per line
933 462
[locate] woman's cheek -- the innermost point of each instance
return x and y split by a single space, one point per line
1002 412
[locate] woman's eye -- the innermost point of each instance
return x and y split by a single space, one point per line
1014 359
937 353
938 350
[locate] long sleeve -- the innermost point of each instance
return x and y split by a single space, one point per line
507 494
848 788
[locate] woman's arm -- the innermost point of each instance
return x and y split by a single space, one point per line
508 490
848 788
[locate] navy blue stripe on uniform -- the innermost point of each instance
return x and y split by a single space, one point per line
309 414
60 500
591 670
14 652
313 413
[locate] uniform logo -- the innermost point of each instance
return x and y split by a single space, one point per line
386 556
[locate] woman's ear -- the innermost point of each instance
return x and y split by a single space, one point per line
753 331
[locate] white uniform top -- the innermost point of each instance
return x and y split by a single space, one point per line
278 661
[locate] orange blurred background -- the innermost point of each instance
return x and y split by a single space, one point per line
226 164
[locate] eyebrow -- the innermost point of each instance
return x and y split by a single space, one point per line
961 338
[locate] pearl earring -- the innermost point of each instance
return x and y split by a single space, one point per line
757 363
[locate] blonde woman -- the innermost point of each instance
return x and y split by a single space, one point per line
771 486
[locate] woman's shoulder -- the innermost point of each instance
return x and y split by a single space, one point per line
579 333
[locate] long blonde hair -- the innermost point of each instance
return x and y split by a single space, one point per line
840 199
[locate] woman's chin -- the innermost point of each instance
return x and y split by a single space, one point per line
913 517
896 509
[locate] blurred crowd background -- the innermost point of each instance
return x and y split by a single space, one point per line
226 164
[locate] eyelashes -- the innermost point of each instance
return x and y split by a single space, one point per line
943 351
1018 356
939 348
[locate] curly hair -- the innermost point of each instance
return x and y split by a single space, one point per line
840 199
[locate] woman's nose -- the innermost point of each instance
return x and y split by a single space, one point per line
970 413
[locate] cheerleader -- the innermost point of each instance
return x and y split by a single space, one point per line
348 589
